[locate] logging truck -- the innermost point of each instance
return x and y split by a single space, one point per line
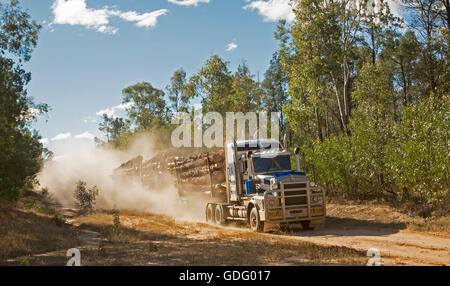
248 180
261 188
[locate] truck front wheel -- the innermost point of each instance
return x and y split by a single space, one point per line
255 222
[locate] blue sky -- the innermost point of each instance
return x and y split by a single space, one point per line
89 50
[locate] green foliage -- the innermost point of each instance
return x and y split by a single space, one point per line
85 197
419 160
148 105
21 152
246 92
368 104
213 84
113 127
177 90
407 159
275 87
18 33
115 233
221 91
327 163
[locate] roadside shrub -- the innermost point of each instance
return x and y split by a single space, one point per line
419 154
327 164
403 162
85 197
115 233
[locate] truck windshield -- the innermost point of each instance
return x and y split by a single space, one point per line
267 165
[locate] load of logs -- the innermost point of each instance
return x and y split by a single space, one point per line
196 173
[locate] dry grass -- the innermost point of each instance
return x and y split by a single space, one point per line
32 226
434 225
160 240
380 213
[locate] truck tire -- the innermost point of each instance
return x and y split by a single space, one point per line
255 222
209 213
305 225
218 215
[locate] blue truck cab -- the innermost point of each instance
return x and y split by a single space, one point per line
263 188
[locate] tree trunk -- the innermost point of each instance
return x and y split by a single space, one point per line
319 128
343 120
405 85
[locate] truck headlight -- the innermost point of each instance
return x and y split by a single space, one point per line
272 203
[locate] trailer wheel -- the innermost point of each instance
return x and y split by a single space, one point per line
305 225
209 213
218 215
255 222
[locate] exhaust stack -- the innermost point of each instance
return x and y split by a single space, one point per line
297 160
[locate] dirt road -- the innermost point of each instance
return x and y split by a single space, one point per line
340 241
150 239
397 246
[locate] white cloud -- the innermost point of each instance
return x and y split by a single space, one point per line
272 10
231 46
112 110
188 2
76 12
85 135
44 141
62 136
143 20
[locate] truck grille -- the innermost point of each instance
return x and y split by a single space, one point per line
294 186
295 200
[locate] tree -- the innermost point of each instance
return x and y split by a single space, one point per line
405 54
378 24
371 125
148 107
177 91
275 86
113 127
419 158
312 63
21 151
213 84
246 92
430 21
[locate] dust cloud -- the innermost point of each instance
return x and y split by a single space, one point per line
96 166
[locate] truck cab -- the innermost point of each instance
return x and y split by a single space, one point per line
263 188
